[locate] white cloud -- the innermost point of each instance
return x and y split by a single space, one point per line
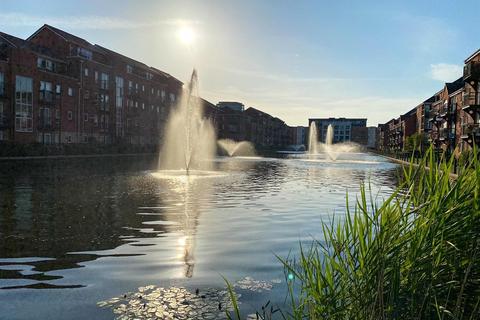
445 72
83 22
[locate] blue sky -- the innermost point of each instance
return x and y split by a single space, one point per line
292 59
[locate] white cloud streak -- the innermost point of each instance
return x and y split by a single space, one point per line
13 19
445 72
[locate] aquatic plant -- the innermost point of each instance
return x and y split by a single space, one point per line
414 255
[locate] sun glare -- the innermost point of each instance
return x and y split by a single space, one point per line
186 35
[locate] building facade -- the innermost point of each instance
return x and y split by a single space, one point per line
58 88
449 120
344 129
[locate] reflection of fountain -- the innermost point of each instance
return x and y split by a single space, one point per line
189 138
233 148
312 138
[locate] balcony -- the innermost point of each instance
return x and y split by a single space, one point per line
471 103
446 134
471 133
436 119
46 96
448 112
471 71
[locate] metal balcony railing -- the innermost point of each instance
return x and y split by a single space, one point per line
470 129
470 98
471 71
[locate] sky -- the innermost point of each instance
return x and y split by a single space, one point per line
293 59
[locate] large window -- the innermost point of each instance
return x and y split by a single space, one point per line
104 81
104 101
46 93
2 84
45 64
23 104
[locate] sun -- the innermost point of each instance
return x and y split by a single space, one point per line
186 35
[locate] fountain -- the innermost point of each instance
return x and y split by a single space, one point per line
189 139
333 150
312 138
233 148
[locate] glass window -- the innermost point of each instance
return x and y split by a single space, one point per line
70 92
129 68
23 104
2 83
86 72
70 115
58 89
104 81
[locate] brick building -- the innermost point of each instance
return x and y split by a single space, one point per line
344 129
449 120
58 88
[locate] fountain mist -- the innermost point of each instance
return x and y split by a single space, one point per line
189 139
312 138
233 148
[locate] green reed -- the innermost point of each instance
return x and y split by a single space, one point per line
414 255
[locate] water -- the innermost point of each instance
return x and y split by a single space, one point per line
76 232
233 148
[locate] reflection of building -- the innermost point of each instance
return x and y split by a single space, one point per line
372 137
344 129
299 135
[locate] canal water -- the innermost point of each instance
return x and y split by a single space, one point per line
77 232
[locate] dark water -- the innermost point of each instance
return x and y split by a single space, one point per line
76 232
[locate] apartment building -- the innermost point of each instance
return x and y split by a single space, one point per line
58 88
449 120
344 129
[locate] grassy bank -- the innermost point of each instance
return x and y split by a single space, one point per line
415 255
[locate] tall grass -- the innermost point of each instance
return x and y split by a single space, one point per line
415 255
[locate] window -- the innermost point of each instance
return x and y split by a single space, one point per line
104 81
2 84
143 106
85 117
45 118
45 64
70 115
172 97
46 93
129 68
58 89
57 114
130 87
96 76
149 76
136 104
70 92
104 101
143 88
23 104
86 72
153 91
163 95
82 52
